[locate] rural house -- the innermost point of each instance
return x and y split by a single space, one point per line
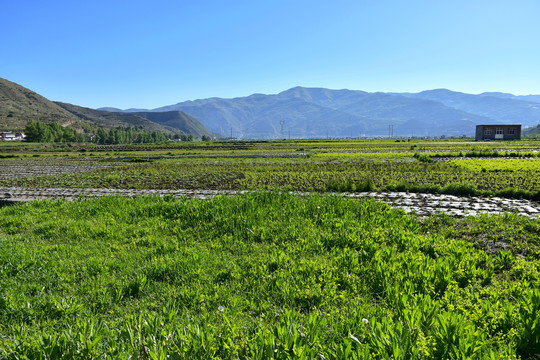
7 136
498 132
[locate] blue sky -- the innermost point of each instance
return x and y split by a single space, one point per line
153 53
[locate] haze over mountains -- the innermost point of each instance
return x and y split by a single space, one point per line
318 113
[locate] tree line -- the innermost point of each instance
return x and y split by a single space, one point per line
54 132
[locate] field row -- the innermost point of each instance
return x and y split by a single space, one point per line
480 177
419 204
270 148
15 168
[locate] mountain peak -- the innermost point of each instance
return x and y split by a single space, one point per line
440 91
498 94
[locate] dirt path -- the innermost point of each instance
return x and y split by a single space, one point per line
425 204
420 204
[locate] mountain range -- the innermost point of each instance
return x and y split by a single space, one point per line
318 113
295 113
19 105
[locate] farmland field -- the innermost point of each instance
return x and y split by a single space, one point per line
287 270
302 166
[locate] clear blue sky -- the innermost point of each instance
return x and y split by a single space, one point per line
153 53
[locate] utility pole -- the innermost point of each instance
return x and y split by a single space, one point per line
289 133
231 133
282 124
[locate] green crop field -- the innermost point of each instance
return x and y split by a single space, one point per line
461 168
268 274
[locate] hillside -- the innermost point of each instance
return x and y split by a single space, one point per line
19 105
110 119
262 117
408 116
532 132
500 108
318 112
176 120
296 113
529 98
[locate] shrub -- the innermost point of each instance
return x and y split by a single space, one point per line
423 158
460 189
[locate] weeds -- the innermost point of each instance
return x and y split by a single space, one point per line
259 276
269 274
423 158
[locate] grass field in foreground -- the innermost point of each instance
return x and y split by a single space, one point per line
264 275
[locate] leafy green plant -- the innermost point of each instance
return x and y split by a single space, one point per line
504 260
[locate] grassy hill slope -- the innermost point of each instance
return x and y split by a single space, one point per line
176 120
532 132
319 112
19 105
110 119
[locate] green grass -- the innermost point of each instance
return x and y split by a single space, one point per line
264 275
270 275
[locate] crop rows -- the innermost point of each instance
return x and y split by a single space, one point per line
21 168
294 174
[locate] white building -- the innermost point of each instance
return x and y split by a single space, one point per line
9 136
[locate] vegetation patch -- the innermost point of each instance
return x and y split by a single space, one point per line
264 275
499 165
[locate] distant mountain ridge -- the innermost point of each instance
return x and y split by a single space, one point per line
500 108
529 98
319 112
298 112
19 105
